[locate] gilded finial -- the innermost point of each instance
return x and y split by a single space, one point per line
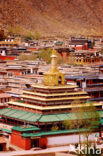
54 53
53 77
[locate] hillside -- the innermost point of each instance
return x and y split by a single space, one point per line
54 17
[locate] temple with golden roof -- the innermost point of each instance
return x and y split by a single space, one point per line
46 105
53 96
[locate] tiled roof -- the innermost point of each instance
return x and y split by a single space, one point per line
55 99
25 128
33 117
20 104
18 114
54 132
57 94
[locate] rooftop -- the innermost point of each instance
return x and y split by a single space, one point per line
25 128
4 95
54 87
53 132
57 94
33 117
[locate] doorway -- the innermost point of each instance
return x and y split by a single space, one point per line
1 147
60 80
35 142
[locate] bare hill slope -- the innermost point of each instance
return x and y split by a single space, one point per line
54 17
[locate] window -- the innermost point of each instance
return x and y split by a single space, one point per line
59 80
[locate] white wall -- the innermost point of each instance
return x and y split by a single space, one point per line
67 139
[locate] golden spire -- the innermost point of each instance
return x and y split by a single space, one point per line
54 62
53 77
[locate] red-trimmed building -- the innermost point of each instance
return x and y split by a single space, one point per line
4 99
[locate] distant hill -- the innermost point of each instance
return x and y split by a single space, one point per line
54 17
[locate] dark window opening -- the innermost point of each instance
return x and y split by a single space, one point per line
1 148
60 80
35 143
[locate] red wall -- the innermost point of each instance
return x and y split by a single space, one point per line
65 55
79 47
7 57
2 107
32 49
15 72
86 46
19 141
43 142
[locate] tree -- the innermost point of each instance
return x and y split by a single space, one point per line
45 54
78 115
17 30
92 122
86 117
29 36
36 35
10 30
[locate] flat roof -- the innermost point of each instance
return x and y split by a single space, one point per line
25 128
79 77
4 95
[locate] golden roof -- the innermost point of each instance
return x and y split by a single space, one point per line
54 87
55 99
56 94
49 107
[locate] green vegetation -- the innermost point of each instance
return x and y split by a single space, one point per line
45 54
10 30
32 36
86 117
14 30
54 128
24 56
29 36
36 35
92 122
78 122
17 30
